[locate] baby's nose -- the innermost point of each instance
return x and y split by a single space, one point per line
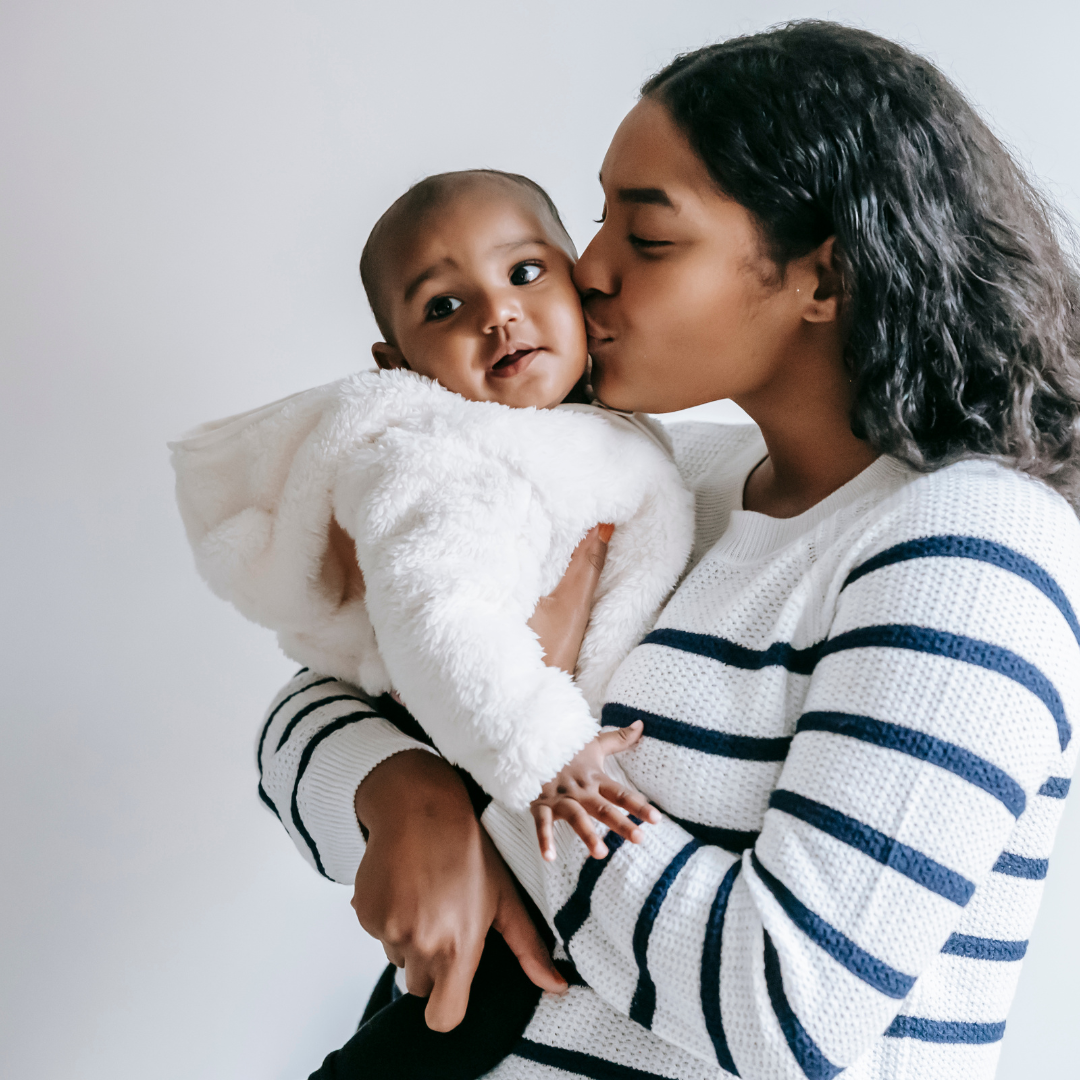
503 309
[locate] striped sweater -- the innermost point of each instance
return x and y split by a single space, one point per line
858 725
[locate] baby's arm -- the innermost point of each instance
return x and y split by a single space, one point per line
582 790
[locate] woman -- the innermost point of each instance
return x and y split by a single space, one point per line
858 705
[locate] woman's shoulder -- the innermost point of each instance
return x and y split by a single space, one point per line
986 505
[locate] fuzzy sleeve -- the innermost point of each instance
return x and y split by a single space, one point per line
452 541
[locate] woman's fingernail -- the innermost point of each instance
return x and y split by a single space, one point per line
605 531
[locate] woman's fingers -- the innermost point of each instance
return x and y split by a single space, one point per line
450 993
394 955
418 980
560 619
520 934
545 837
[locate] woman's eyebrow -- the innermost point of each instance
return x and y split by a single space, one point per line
650 196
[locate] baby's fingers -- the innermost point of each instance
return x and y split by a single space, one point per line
630 801
544 834
615 742
616 820
574 813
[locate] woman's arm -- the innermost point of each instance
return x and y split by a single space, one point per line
939 703
318 740
428 882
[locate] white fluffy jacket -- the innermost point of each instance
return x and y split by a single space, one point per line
464 514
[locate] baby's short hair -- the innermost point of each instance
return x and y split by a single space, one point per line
409 212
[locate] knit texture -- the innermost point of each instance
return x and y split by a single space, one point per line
858 723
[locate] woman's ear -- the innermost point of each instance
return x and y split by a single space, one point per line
827 282
388 357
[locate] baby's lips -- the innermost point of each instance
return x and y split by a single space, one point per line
604 532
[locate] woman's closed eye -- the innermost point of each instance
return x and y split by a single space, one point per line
525 272
644 244
439 307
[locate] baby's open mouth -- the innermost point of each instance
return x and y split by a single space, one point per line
510 358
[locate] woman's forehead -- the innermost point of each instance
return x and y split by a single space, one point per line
651 162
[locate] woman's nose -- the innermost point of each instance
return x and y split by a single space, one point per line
593 272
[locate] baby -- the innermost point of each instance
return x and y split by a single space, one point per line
469 279
398 529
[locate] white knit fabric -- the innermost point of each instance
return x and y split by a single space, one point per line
859 725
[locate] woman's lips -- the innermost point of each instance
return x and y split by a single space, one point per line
513 363
597 338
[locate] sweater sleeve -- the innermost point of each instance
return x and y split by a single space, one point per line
940 695
316 744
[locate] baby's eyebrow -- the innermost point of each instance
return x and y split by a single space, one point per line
510 245
426 275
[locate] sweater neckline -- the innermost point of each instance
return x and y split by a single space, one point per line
752 535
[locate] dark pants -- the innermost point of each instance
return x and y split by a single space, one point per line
394 1043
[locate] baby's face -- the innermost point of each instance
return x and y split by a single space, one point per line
482 300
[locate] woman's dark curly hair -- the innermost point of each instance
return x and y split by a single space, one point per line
963 308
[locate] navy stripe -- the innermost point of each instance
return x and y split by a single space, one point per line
734 840
877 845
1018 866
955 759
710 970
720 743
944 1031
984 948
277 709
305 758
778 654
965 649
972 547
579 1064
1056 787
307 709
643 1003
814 1064
269 802
572 915
839 946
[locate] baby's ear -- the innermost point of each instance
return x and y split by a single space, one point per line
388 357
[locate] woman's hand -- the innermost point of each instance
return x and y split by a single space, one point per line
582 791
561 618
431 884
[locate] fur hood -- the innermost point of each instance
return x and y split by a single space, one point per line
464 514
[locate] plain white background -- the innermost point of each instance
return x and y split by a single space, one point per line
186 187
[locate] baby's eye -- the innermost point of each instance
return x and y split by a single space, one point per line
440 307
523 273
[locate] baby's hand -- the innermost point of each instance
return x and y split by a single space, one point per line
582 790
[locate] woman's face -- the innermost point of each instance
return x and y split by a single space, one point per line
682 305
